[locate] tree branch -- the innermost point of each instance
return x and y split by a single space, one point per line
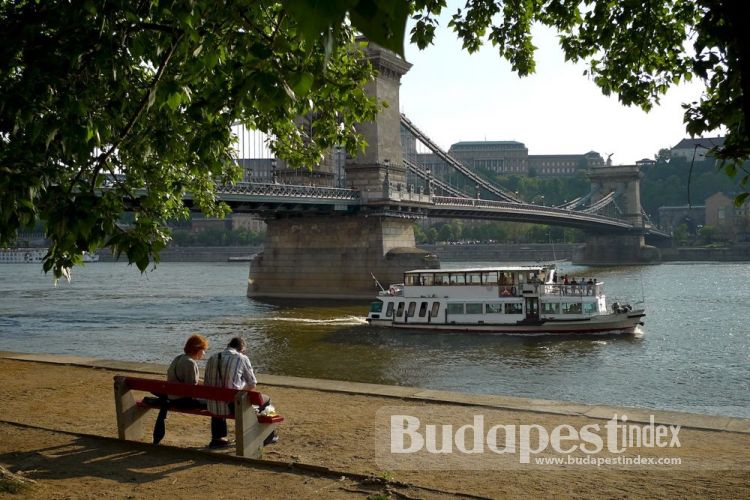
143 105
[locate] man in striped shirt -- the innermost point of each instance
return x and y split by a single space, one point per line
230 368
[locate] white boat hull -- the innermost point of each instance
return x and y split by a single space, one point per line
624 323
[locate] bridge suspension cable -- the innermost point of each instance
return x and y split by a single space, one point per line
424 175
575 203
606 200
500 193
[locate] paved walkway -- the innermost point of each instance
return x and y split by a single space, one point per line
684 419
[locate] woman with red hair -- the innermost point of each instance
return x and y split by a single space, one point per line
184 369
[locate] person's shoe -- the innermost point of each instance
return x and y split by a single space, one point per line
219 443
271 439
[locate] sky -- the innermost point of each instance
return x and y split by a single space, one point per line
453 96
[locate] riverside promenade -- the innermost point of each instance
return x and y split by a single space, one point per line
58 440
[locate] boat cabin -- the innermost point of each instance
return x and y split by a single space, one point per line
486 295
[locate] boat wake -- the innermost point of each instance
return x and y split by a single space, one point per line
347 321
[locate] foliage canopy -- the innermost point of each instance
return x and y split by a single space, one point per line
141 95
139 98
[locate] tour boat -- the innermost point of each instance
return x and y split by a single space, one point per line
514 300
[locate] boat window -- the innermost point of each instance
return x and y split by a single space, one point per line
423 309
410 279
493 308
441 279
455 308
474 278
389 310
571 308
551 308
410 311
458 279
473 308
426 279
435 309
589 307
376 306
514 308
400 310
489 278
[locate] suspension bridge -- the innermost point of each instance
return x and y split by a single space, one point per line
326 241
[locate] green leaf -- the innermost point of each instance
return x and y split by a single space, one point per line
302 83
382 22
740 199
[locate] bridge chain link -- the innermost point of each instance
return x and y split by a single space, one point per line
289 191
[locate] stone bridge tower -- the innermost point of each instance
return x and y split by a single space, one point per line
335 256
608 249
382 161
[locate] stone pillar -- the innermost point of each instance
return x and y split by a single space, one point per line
334 257
383 157
618 249
625 180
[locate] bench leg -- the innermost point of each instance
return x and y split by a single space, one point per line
129 416
249 433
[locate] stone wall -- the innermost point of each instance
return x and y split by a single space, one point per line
194 254
334 257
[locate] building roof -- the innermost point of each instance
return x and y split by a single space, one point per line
484 145
566 156
723 194
681 207
704 142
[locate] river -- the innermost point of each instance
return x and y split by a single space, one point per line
693 354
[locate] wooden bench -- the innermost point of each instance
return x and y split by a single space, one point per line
251 429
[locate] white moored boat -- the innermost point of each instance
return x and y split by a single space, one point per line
34 256
518 300
22 255
90 257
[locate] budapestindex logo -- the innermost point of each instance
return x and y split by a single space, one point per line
428 441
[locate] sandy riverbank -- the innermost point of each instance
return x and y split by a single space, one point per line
57 423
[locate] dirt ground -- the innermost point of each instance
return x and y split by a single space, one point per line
57 428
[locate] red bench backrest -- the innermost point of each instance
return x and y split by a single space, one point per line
186 390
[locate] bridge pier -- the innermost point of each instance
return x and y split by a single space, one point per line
617 250
334 257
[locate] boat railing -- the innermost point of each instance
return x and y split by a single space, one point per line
509 290
393 291
579 289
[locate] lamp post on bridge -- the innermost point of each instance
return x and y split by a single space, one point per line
539 197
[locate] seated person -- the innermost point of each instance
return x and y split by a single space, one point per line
183 369
232 369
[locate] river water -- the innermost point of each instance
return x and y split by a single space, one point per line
693 354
